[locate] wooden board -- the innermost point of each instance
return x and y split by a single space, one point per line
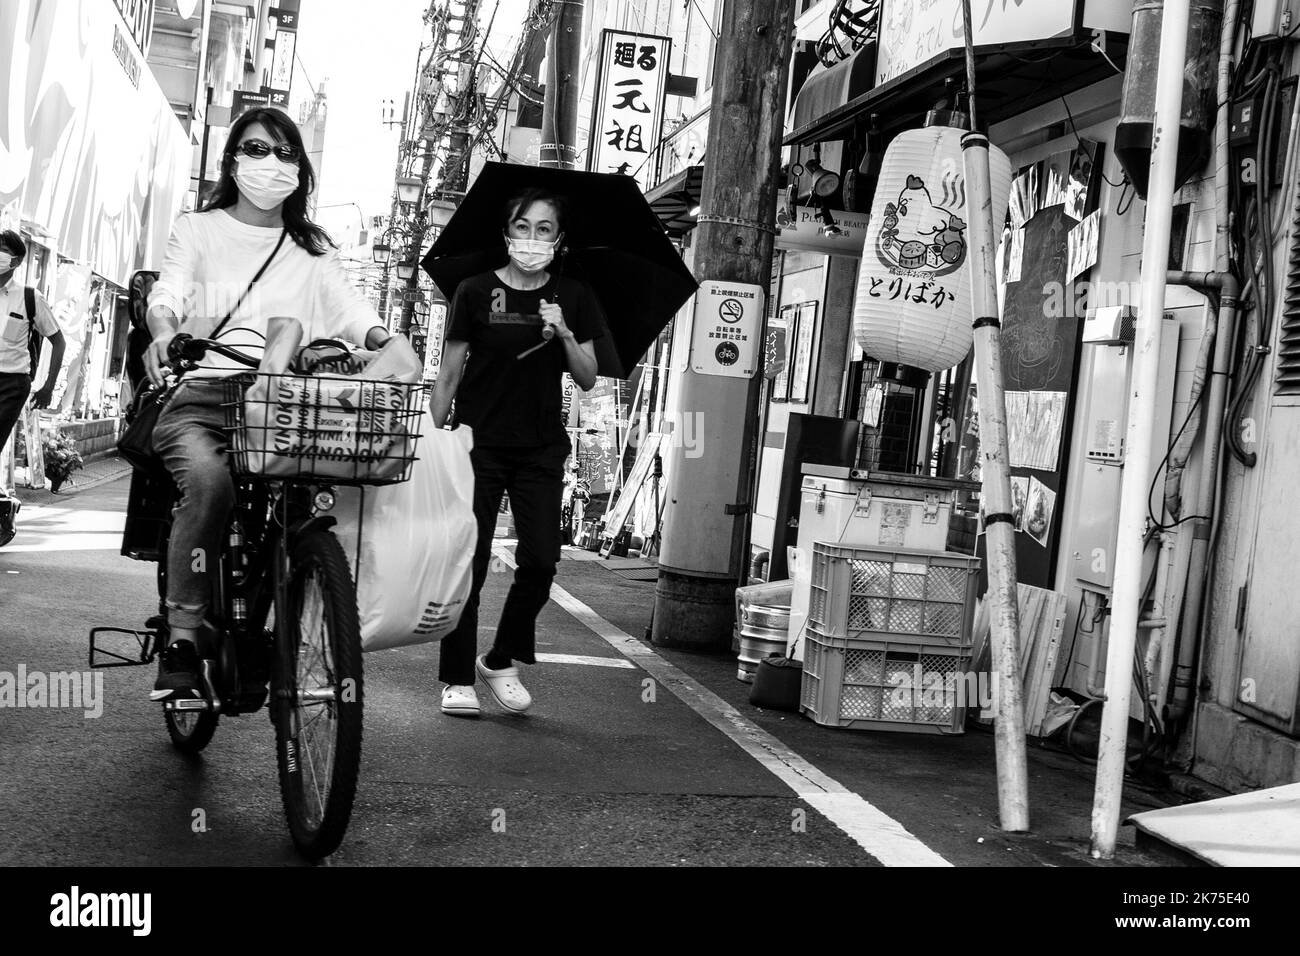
1042 623
1261 828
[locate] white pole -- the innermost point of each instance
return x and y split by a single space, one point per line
1002 595
1141 423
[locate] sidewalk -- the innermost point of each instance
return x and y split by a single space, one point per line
941 789
97 471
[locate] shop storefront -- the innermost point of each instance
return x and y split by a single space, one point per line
93 169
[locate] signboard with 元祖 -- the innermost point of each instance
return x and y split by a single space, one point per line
728 326
913 32
629 104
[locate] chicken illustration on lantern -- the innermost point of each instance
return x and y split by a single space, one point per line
917 234
912 305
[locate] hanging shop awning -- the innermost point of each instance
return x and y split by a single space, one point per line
1011 78
674 198
828 89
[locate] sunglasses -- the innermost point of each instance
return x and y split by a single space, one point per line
255 148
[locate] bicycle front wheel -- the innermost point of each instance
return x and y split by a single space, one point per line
318 694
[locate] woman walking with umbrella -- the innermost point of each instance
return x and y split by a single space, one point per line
512 333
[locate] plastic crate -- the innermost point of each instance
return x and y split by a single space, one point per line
896 686
896 595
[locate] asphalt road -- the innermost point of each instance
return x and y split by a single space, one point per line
593 775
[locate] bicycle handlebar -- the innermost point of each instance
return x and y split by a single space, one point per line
184 352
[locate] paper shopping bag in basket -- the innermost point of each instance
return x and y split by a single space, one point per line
412 545
330 428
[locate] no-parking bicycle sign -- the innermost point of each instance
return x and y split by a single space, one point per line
728 323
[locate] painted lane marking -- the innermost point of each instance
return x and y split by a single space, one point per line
875 831
585 659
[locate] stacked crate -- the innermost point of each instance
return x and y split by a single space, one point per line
889 639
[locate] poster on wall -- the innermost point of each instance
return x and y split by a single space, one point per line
801 351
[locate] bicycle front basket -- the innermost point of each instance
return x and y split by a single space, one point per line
326 428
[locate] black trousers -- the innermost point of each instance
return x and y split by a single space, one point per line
534 479
14 390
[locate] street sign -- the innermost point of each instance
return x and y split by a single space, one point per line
276 98
244 100
416 296
728 320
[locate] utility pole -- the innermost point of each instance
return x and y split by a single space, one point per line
1003 593
559 147
703 550
457 32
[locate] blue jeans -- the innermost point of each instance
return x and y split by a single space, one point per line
191 438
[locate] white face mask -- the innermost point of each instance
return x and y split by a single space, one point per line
531 255
6 262
265 182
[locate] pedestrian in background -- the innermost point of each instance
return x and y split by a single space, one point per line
24 318
512 333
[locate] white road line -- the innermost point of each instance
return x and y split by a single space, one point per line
875 831
585 659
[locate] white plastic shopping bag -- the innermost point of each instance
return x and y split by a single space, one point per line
416 544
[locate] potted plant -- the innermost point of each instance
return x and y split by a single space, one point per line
61 458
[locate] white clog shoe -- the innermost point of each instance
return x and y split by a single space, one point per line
505 686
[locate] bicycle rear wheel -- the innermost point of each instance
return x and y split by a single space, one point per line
318 694
190 730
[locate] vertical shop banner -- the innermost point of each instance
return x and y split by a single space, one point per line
628 111
433 342
286 41
71 291
727 328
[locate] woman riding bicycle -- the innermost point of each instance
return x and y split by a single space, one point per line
240 271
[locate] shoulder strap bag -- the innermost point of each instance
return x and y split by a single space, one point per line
136 443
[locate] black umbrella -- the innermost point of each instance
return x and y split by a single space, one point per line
614 242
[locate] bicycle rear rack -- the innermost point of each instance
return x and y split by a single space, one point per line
148 644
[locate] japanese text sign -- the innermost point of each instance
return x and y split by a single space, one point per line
728 325
629 104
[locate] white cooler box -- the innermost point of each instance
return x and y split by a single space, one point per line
877 510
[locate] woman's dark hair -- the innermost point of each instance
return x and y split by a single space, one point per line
304 232
520 203
13 244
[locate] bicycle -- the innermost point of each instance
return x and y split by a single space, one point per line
284 617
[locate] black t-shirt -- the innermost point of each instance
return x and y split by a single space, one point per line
509 400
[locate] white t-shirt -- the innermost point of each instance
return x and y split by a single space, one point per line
211 258
14 327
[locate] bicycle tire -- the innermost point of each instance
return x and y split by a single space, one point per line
190 731
317 820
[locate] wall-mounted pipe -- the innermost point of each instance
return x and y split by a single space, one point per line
1182 693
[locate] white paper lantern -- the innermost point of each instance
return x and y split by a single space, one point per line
913 296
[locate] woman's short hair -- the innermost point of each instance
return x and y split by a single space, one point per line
13 243
520 203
